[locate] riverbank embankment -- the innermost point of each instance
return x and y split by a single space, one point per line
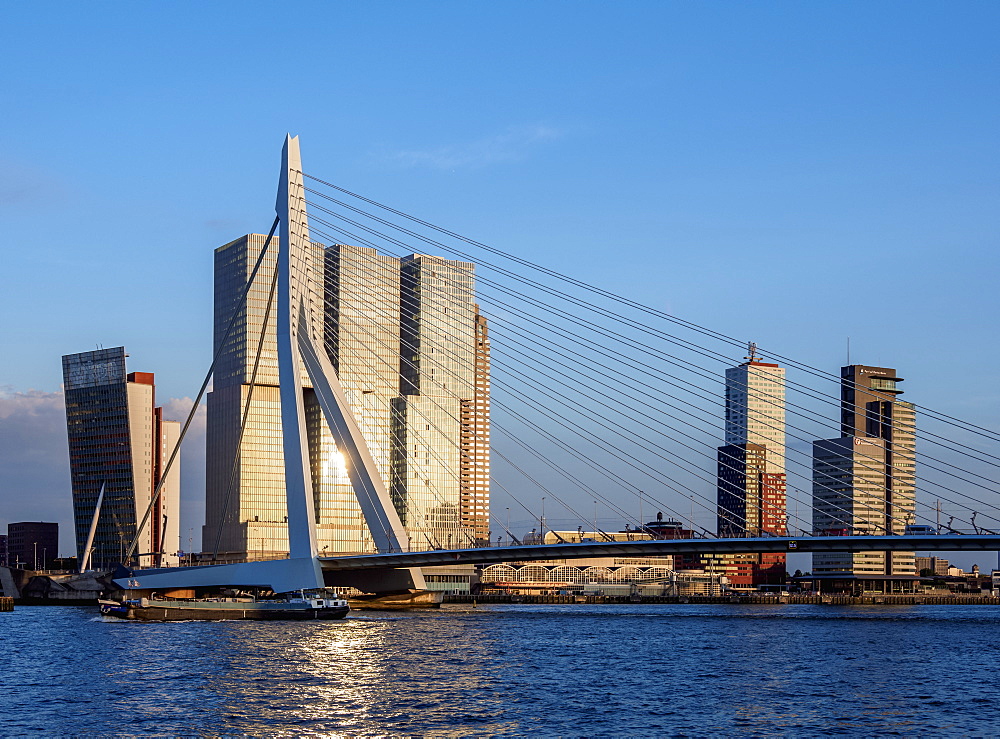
835 600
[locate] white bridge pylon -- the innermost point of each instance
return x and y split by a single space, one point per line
297 342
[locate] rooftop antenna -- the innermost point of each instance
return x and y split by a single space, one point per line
752 349
848 351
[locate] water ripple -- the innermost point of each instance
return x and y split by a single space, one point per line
580 670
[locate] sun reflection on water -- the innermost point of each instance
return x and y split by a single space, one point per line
508 670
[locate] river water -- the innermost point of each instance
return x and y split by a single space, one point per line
579 670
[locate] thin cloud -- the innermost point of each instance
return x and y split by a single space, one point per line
34 463
512 145
222 224
21 186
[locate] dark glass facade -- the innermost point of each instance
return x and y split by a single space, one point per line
100 452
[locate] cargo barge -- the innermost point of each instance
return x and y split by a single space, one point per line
300 607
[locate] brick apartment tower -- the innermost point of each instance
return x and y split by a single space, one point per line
475 467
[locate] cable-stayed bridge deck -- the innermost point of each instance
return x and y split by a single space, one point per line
427 382
655 547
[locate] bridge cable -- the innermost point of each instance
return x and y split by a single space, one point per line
607 294
194 407
873 459
578 302
314 218
641 523
645 347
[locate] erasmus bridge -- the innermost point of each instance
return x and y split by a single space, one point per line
594 399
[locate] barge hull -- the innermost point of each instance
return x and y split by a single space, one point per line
153 613
146 610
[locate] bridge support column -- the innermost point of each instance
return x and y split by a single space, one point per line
388 581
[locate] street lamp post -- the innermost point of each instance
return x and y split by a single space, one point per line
541 524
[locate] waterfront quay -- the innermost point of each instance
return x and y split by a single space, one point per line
731 599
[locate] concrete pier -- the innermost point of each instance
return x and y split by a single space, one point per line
31 587
396 601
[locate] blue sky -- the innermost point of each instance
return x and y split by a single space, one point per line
794 173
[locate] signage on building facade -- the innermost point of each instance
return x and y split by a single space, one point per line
94 372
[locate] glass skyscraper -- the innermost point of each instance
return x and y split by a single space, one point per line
119 440
412 356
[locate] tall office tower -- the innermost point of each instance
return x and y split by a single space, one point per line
751 468
438 353
361 333
864 482
402 379
119 440
475 471
245 512
755 408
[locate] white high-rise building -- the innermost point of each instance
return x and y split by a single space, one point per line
755 409
438 369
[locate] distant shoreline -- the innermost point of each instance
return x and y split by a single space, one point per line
795 599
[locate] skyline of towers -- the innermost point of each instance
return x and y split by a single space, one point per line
411 352
119 439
